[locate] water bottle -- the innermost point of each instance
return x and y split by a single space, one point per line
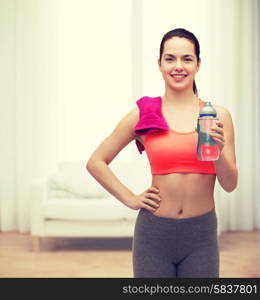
207 148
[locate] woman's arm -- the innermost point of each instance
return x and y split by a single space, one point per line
98 162
225 166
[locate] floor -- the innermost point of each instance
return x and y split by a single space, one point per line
59 257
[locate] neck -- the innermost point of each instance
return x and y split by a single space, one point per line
182 98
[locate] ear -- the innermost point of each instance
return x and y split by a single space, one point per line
159 64
198 66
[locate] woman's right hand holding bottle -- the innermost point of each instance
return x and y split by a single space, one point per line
149 199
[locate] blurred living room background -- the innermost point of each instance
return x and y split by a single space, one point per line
70 70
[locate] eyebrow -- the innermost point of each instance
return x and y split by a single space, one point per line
186 55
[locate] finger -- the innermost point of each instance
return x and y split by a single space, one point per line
151 209
217 135
153 196
220 124
151 203
216 129
218 140
153 189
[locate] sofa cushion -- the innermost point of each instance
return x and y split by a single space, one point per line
135 175
73 181
87 209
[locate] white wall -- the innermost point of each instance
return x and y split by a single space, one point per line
97 72
7 101
66 70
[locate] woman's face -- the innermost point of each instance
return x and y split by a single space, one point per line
179 63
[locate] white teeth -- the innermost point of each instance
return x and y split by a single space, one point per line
178 75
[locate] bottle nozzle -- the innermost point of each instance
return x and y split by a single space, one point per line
208 110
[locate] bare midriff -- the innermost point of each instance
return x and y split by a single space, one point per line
184 195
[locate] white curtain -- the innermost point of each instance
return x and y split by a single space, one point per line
69 67
236 45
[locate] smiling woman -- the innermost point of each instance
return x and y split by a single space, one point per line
176 228
180 60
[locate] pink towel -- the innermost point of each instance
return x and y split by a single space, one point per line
150 118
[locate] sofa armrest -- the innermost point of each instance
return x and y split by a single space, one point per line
39 194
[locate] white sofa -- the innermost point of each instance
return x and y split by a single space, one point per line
71 203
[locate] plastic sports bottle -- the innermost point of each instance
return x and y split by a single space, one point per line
207 148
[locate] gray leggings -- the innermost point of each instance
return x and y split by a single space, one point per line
170 247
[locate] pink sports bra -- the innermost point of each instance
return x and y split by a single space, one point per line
168 151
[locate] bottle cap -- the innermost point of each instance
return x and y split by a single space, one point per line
208 110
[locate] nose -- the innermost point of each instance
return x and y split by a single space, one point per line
178 65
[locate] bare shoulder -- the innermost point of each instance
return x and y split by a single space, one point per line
131 118
223 113
128 122
125 128
220 109
122 135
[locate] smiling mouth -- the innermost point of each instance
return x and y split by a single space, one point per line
178 76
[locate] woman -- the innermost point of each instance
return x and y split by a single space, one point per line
176 228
